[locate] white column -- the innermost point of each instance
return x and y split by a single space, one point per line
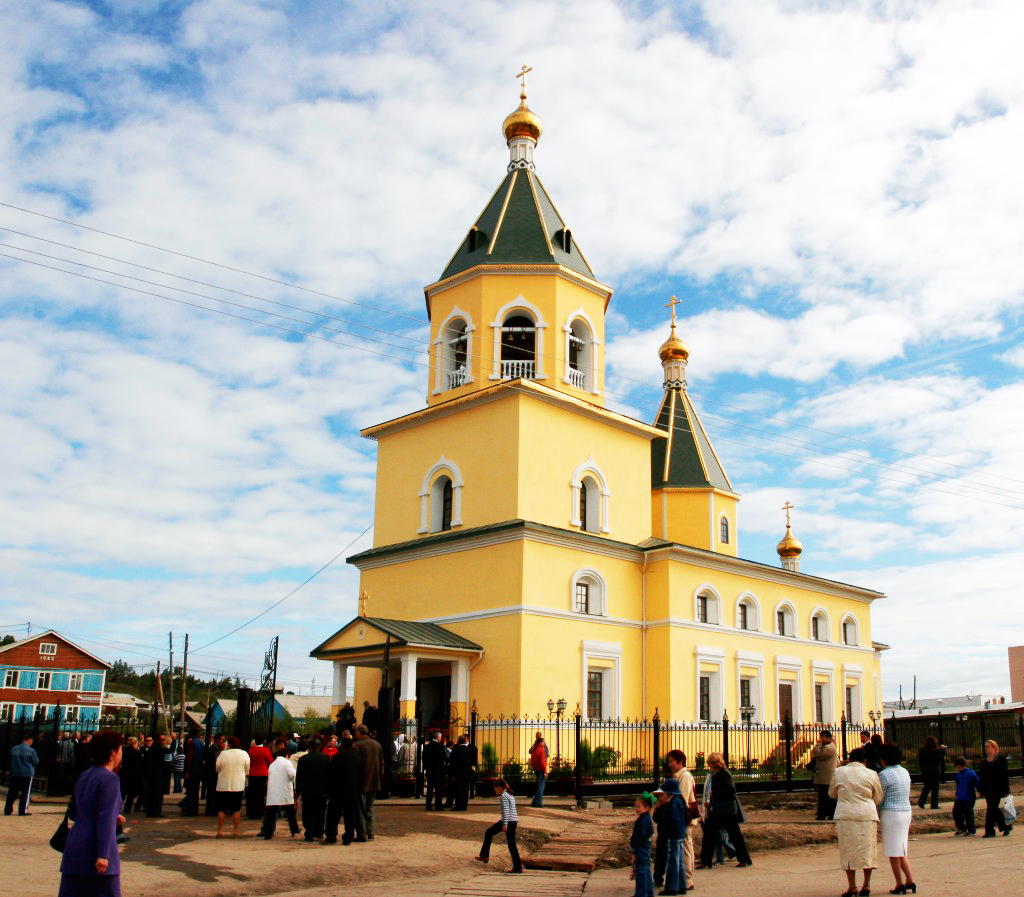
408 677
340 682
460 677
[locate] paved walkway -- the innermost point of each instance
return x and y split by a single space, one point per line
943 865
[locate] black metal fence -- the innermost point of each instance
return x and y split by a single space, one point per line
963 735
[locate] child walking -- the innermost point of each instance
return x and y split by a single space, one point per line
640 846
963 806
508 823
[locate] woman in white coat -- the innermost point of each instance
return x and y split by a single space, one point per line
858 792
280 795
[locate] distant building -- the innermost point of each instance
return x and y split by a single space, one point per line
1016 673
117 703
954 704
219 713
46 671
299 707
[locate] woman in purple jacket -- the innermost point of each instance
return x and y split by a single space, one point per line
91 866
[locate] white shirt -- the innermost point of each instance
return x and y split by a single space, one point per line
281 783
232 768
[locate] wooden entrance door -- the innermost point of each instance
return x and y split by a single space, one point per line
785 701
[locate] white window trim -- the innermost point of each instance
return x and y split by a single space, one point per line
788 606
790 665
516 304
850 618
602 587
439 349
855 671
715 604
603 651
819 611
71 681
825 668
14 676
710 656
52 653
728 520
751 599
590 374
590 468
455 474
751 659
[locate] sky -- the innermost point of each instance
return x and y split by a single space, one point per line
833 189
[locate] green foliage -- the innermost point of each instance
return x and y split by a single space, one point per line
7 640
595 761
124 678
488 759
512 770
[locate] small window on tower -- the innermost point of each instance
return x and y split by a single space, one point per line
724 530
582 598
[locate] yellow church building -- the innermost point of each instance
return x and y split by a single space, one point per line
530 543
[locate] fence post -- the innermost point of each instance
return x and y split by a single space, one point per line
1020 736
473 715
787 733
52 786
725 737
942 740
656 765
984 737
418 771
842 734
578 765
243 717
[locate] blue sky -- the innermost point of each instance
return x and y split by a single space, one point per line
834 190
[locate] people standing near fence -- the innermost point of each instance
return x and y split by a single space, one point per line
932 760
23 763
640 846
670 819
144 749
994 785
194 749
346 720
210 756
260 759
824 756
280 794
508 824
870 751
130 774
91 864
312 781
83 757
232 767
156 776
963 806
461 763
371 756
434 761
345 795
857 792
894 816
721 840
539 765
676 761
724 812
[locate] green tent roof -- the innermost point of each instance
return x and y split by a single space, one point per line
691 459
520 225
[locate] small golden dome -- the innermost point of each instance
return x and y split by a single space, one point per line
673 349
522 122
790 546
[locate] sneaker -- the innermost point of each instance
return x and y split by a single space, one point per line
958 833
969 834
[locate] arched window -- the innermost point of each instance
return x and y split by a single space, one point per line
588 594
441 505
518 347
785 620
579 356
590 505
589 498
851 635
707 606
723 530
441 497
819 626
456 353
748 613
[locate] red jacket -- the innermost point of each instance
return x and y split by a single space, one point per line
260 759
539 758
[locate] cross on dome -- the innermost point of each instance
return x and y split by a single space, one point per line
522 75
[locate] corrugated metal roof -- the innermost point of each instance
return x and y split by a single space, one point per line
413 633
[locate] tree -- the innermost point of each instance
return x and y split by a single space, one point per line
7 640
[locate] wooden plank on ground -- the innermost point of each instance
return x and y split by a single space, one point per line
574 851
534 884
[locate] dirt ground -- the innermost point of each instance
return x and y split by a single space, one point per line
415 852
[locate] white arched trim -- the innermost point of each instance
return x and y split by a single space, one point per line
443 465
440 374
519 304
786 606
590 371
824 625
706 590
754 623
598 592
590 468
855 639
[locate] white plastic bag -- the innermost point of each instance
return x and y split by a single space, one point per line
1009 810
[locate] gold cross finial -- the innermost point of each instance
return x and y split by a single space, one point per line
522 74
672 305
362 603
787 507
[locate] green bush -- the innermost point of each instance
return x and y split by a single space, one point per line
488 759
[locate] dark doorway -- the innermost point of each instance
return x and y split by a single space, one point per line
785 701
433 700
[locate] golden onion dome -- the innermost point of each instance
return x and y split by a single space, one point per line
673 349
523 122
790 546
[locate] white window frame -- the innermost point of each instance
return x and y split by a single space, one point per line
11 678
828 707
855 672
598 594
71 713
72 686
824 625
611 698
49 680
441 355
751 659
7 710
753 612
45 653
786 606
706 590
591 362
519 304
590 468
705 655
427 516
850 618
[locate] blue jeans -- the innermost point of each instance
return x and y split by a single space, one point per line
538 795
644 880
675 873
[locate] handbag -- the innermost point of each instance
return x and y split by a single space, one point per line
1008 809
693 810
60 837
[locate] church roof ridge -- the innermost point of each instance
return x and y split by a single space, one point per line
687 458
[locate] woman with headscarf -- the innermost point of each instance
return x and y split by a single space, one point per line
994 785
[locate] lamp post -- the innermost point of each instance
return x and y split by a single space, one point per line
747 712
557 709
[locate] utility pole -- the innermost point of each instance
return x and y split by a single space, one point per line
184 683
170 677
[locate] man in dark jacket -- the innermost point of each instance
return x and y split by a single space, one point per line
130 774
344 794
194 749
434 759
156 776
372 756
210 755
312 782
461 763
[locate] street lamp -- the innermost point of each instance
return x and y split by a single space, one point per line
557 709
747 712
